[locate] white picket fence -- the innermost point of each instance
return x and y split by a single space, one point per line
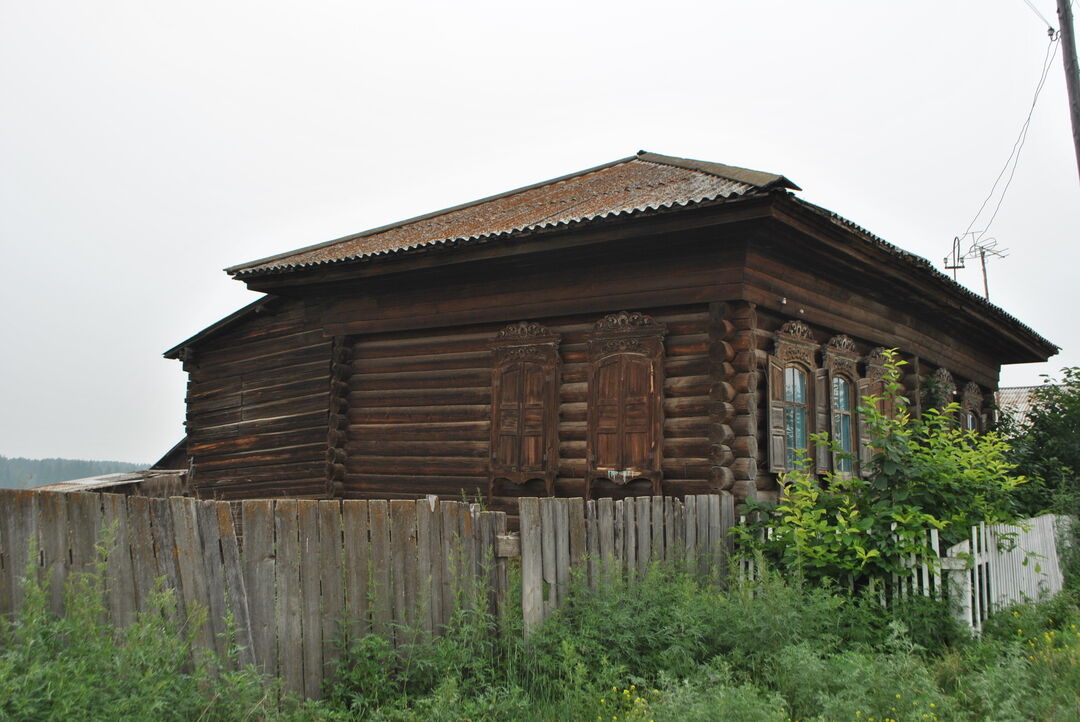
1002 565
999 565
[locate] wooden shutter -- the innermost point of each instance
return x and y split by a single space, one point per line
822 406
865 452
534 395
776 430
508 384
525 377
637 427
608 414
625 406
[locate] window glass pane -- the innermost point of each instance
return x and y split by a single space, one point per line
794 385
844 438
841 394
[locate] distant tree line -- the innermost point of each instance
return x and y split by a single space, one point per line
18 473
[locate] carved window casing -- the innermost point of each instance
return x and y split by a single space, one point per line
524 400
795 385
971 403
625 404
841 363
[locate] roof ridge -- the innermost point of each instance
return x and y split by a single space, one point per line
761 179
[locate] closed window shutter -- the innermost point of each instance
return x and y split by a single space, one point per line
777 441
822 454
508 418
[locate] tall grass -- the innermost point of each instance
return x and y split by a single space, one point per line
663 648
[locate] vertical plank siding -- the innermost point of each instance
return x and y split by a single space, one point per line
305 572
309 574
607 539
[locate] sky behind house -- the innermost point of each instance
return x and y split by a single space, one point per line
146 145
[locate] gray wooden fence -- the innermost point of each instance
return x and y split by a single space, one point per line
302 571
604 539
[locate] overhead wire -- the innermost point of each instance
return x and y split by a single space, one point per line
1014 156
1036 11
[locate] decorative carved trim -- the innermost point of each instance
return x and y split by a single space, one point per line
842 342
627 320
787 352
795 342
972 397
875 363
798 329
522 330
945 383
841 356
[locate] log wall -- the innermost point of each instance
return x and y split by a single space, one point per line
258 396
420 411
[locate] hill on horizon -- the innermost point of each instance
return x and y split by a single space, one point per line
20 473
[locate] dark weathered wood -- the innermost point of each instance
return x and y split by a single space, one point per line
235 588
144 565
403 548
307 512
119 579
260 581
212 570
289 600
532 570
358 562
380 591
53 541
331 575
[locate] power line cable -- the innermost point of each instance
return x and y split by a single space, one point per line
1036 11
1014 156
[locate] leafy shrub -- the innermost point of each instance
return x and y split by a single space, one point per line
926 473
79 667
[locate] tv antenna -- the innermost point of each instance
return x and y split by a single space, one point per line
980 248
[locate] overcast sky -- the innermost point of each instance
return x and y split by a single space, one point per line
144 146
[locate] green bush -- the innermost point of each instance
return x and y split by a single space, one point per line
926 474
79 667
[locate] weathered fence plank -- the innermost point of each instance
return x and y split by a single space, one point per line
53 532
144 566
380 589
357 561
259 580
235 588
119 578
307 514
532 569
189 558
289 601
331 571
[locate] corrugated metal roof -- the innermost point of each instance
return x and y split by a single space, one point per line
927 267
1016 401
645 181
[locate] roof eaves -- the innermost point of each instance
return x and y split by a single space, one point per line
927 267
251 308
502 235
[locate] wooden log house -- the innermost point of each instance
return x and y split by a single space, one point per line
652 325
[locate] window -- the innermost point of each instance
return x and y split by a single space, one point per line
794 382
795 411
971 400
843 428
524 401
625 403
